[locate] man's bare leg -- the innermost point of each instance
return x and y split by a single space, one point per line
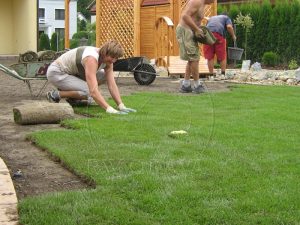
223 65
194 67
186 84
210 64
198 87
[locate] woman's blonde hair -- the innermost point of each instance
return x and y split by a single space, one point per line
111 48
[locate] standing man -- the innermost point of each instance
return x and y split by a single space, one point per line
218 25
77 73
188 27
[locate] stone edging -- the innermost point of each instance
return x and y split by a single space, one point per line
8 197
262 77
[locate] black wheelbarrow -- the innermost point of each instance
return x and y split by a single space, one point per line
143 72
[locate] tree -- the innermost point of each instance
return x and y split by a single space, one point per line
44 42
91 29
260 13
81 25
54 42
247 23
233 12
81 7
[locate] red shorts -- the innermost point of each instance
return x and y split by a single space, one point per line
219 48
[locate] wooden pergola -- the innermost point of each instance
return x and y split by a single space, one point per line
174 8
98 18
142 29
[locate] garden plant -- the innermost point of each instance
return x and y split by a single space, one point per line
247 23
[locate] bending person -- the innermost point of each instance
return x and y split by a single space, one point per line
218 25
77 73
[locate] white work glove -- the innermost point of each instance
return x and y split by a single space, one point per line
111 110
123 108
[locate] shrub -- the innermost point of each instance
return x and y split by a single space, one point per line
92 39
238 66
80 34
74 43
54 44
217 66
247 23
270 59
82 25
293 64
44 42
61 44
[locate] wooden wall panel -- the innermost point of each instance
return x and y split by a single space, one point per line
161 34
147 32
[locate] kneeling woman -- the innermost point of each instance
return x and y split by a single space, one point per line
77 73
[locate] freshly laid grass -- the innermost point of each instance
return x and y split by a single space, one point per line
238 164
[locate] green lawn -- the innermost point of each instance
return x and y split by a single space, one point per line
239 163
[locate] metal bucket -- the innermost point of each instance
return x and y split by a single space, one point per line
235 53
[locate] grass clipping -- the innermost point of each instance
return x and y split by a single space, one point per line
177 133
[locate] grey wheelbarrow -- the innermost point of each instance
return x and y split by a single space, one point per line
143 72
27 72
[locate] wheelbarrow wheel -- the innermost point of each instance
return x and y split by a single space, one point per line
144 78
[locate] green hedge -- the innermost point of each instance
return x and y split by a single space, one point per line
276 28
81 34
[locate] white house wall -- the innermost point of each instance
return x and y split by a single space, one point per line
50 23
93 18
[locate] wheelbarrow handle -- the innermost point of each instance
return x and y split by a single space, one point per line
10 72
141 71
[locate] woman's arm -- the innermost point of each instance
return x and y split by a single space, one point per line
91 66
111 84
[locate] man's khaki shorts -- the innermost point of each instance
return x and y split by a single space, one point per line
188 47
